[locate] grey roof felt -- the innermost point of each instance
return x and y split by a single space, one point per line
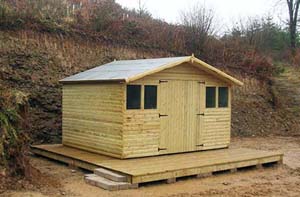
122 70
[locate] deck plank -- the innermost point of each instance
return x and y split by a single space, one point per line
164 166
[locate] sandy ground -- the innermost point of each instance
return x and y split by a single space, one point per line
273 181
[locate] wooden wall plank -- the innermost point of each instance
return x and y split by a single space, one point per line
93 117
203 130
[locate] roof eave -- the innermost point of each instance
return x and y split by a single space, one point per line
191 59
218 72
92 81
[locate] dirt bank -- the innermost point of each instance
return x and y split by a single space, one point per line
282 181
34 62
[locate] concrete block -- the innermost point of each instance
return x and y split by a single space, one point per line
114 176
107 184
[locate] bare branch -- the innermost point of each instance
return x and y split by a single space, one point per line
199 23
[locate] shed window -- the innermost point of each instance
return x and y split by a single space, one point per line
223 97
133 100
150 97
210 97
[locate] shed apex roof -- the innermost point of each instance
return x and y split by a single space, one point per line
131 70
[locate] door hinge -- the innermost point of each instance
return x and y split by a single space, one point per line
162 115
202 114
200 145
202 82
159 149
163 81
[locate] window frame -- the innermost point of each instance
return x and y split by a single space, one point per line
217 97
141 97
142 107
215 106
144 97
227 96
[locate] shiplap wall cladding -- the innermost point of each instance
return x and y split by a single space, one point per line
95 117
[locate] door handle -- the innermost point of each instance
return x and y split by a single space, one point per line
163 81
162 115
159 149
202 114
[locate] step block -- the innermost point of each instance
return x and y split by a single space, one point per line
114 176
107 184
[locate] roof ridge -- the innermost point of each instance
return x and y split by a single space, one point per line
152 58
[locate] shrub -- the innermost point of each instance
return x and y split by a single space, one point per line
9 18
13 134
104 14
279 68
296 58
49 15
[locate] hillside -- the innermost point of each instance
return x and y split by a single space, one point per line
268 107
41 44
33 62
286 89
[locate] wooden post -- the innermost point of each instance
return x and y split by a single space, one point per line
171 180
280 162
72 165
259 166
204 175
134 186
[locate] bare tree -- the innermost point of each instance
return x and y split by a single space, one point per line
142 9
199 23
293 6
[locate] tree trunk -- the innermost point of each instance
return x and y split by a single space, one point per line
293 19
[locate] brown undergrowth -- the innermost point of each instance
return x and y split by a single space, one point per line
16 171
34 62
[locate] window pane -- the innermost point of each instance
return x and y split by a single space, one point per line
223 96
210 97
150 99
133 100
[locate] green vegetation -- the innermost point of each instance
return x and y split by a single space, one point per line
13 132
280 68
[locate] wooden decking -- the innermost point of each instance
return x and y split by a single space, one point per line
149 169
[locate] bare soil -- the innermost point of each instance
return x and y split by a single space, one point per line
59 180
267 107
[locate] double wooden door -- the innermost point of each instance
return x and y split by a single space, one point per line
181 115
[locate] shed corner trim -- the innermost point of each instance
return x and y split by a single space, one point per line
217 72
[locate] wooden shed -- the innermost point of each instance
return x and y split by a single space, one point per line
137 108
